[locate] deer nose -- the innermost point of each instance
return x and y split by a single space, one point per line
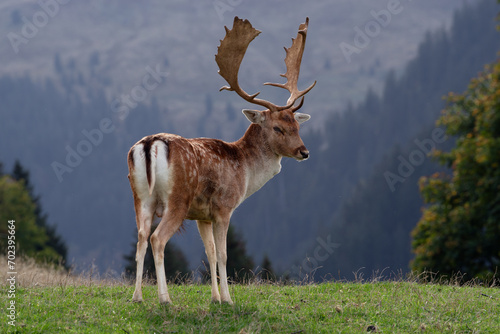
304 153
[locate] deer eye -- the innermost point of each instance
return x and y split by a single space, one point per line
278 130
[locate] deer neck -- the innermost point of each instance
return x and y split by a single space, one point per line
260 161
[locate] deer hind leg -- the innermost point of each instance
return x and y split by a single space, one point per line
144 219
170 223
220 235
207 235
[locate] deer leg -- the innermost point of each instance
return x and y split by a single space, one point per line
220 235
144 220
206 232
170 223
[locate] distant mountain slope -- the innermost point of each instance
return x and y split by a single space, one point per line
113 41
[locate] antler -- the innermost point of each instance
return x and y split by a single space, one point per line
229 55
232 49
293 59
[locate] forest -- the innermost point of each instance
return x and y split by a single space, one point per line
349 210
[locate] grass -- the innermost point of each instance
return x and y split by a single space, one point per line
84 305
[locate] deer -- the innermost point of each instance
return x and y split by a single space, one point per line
206 179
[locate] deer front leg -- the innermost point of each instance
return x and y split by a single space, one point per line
220 234
206 232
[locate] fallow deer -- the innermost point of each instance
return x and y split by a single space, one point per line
207 179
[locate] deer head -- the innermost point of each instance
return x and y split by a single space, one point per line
279 123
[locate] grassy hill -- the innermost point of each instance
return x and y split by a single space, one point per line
51 302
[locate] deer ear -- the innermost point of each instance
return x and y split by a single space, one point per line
254 116
301 118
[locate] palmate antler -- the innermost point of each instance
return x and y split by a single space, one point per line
292 60
232 49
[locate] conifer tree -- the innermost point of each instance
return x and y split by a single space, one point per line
239 263
54 240
16 206
266 270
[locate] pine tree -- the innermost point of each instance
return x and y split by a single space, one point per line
54 240
16 205
267 272
239 265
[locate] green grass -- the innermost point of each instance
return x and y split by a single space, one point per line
384 307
